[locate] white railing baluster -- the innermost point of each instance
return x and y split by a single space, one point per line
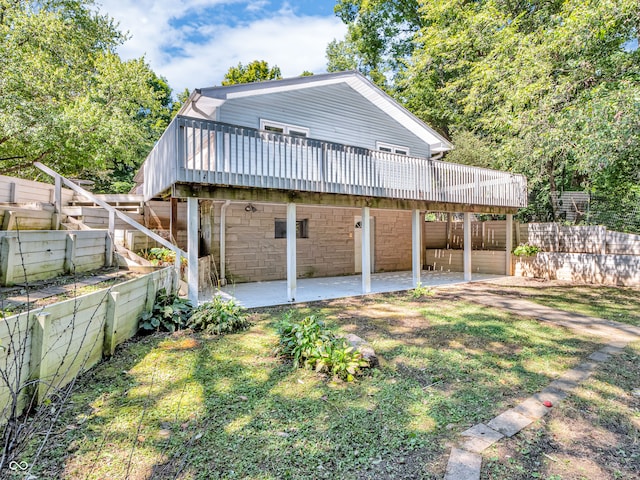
204 151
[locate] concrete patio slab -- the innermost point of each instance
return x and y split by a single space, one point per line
265 294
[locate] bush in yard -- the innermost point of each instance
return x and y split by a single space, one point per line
310 344
525 250
219 317
339 358
169 313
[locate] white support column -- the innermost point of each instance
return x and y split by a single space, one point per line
193 240
291 252
467 246
416 246
509 243
366 250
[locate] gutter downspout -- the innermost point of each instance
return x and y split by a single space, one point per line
223 242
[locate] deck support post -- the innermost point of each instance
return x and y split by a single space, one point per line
366 250
416 246
467 246
193 221
291 252
509 244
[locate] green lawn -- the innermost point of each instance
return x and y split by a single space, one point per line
612 303
593 435
186 406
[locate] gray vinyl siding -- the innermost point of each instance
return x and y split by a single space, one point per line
334 113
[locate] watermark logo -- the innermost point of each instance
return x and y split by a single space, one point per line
15 466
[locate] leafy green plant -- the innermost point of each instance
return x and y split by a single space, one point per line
525 250
421 291
169 313
158 255
219 317
310 344
300 340
161 256
340 358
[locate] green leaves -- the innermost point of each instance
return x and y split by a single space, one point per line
66 97
256 71
169 313
309 344
219 317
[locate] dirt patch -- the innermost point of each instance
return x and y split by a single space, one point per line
24 297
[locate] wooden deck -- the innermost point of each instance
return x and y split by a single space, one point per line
203 152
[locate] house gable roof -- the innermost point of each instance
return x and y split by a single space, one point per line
204 102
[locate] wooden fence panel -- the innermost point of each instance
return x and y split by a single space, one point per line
158 215
482 261
489 235
18 190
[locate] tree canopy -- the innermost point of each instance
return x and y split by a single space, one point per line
256 71
66 97
546 88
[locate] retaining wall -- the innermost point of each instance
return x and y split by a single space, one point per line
608 269
39 255
55 343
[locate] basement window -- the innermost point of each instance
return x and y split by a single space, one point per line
390 148
302 228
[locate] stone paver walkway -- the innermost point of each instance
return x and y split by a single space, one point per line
465 460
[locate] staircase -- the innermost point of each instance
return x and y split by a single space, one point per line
34 206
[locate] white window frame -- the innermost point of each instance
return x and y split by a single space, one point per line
391 148
286 128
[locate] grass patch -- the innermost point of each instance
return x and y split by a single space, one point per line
611 303
594 434
192 406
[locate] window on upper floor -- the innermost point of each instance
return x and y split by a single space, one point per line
279 127
390 148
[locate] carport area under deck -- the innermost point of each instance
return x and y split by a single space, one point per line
265 294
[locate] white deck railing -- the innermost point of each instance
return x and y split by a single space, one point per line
207 152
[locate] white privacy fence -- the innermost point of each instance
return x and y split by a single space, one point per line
207 152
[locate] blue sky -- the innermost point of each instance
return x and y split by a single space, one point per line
193 43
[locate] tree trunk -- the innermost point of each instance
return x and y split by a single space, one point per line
553 190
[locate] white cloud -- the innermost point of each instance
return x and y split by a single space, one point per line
292 41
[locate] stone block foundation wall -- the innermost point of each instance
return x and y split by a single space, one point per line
254 254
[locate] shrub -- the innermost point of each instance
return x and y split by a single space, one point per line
169 313
300 340
160 256
310 344
219 317
421 291
339 358
525 250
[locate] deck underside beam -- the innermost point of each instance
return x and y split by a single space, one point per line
216 192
